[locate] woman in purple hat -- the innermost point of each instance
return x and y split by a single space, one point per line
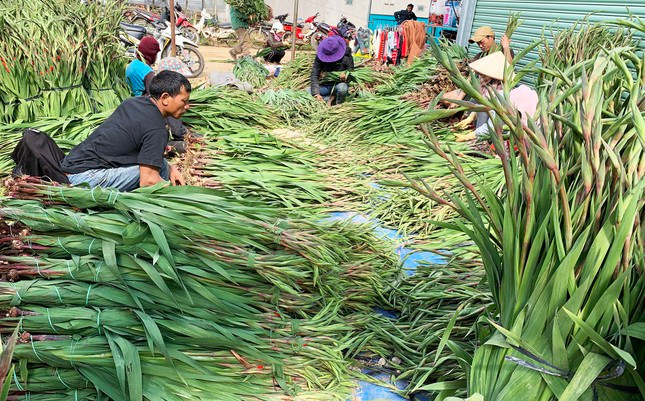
331 56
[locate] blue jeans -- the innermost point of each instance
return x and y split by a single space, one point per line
340 90
122 178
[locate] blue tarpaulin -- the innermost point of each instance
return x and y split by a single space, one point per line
368 391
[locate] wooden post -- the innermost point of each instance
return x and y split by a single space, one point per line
173 49
294 34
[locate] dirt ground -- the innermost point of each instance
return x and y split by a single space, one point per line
217 59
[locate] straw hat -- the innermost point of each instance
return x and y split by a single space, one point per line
492 66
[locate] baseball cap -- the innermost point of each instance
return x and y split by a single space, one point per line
481 33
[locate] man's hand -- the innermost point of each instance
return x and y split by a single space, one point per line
342 76
175 176
319 97
505 41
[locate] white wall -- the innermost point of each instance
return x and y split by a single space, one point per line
330 10
389 7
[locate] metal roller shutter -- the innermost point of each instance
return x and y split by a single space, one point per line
546 15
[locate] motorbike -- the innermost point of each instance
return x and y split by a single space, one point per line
149 19
187 50
324 30
181 21
303 32
210 28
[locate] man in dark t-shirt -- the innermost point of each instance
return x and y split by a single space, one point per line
127 151
405 15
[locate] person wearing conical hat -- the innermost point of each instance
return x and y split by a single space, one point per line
491 75
484 37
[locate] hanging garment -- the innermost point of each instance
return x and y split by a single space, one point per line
383 47
391 44
395 50
416 33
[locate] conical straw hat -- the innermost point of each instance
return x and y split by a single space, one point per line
491 65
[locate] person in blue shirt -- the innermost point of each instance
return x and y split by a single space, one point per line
139 73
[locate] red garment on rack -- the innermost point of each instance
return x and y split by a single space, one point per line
381 47
404 47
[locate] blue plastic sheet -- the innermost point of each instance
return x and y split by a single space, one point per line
368 391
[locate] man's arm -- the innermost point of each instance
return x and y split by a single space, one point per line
397 16
414 16
148 175
506 46
146 82
315 77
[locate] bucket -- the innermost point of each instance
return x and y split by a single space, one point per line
451 10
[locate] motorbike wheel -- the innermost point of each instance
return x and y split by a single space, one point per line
143 22
257 37
316 38
191 34
230 40
191 56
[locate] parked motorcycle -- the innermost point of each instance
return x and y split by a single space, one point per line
187 51
303 31
148 19
324 30
181 21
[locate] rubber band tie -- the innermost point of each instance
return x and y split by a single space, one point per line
61 379
98 271
116 195
87 297
92 193
89 249
49 319
31 339
72 347
63 246
98 321
58 293
47 217
69 269
62 195
16 290
15 378
38 267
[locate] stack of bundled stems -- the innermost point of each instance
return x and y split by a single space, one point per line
296 74
66 131
227 111
362 78
383 119
59 59
563 247
175 293
255 10
256 165
247 69
408 78
296 107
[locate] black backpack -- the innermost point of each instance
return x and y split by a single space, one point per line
38 155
